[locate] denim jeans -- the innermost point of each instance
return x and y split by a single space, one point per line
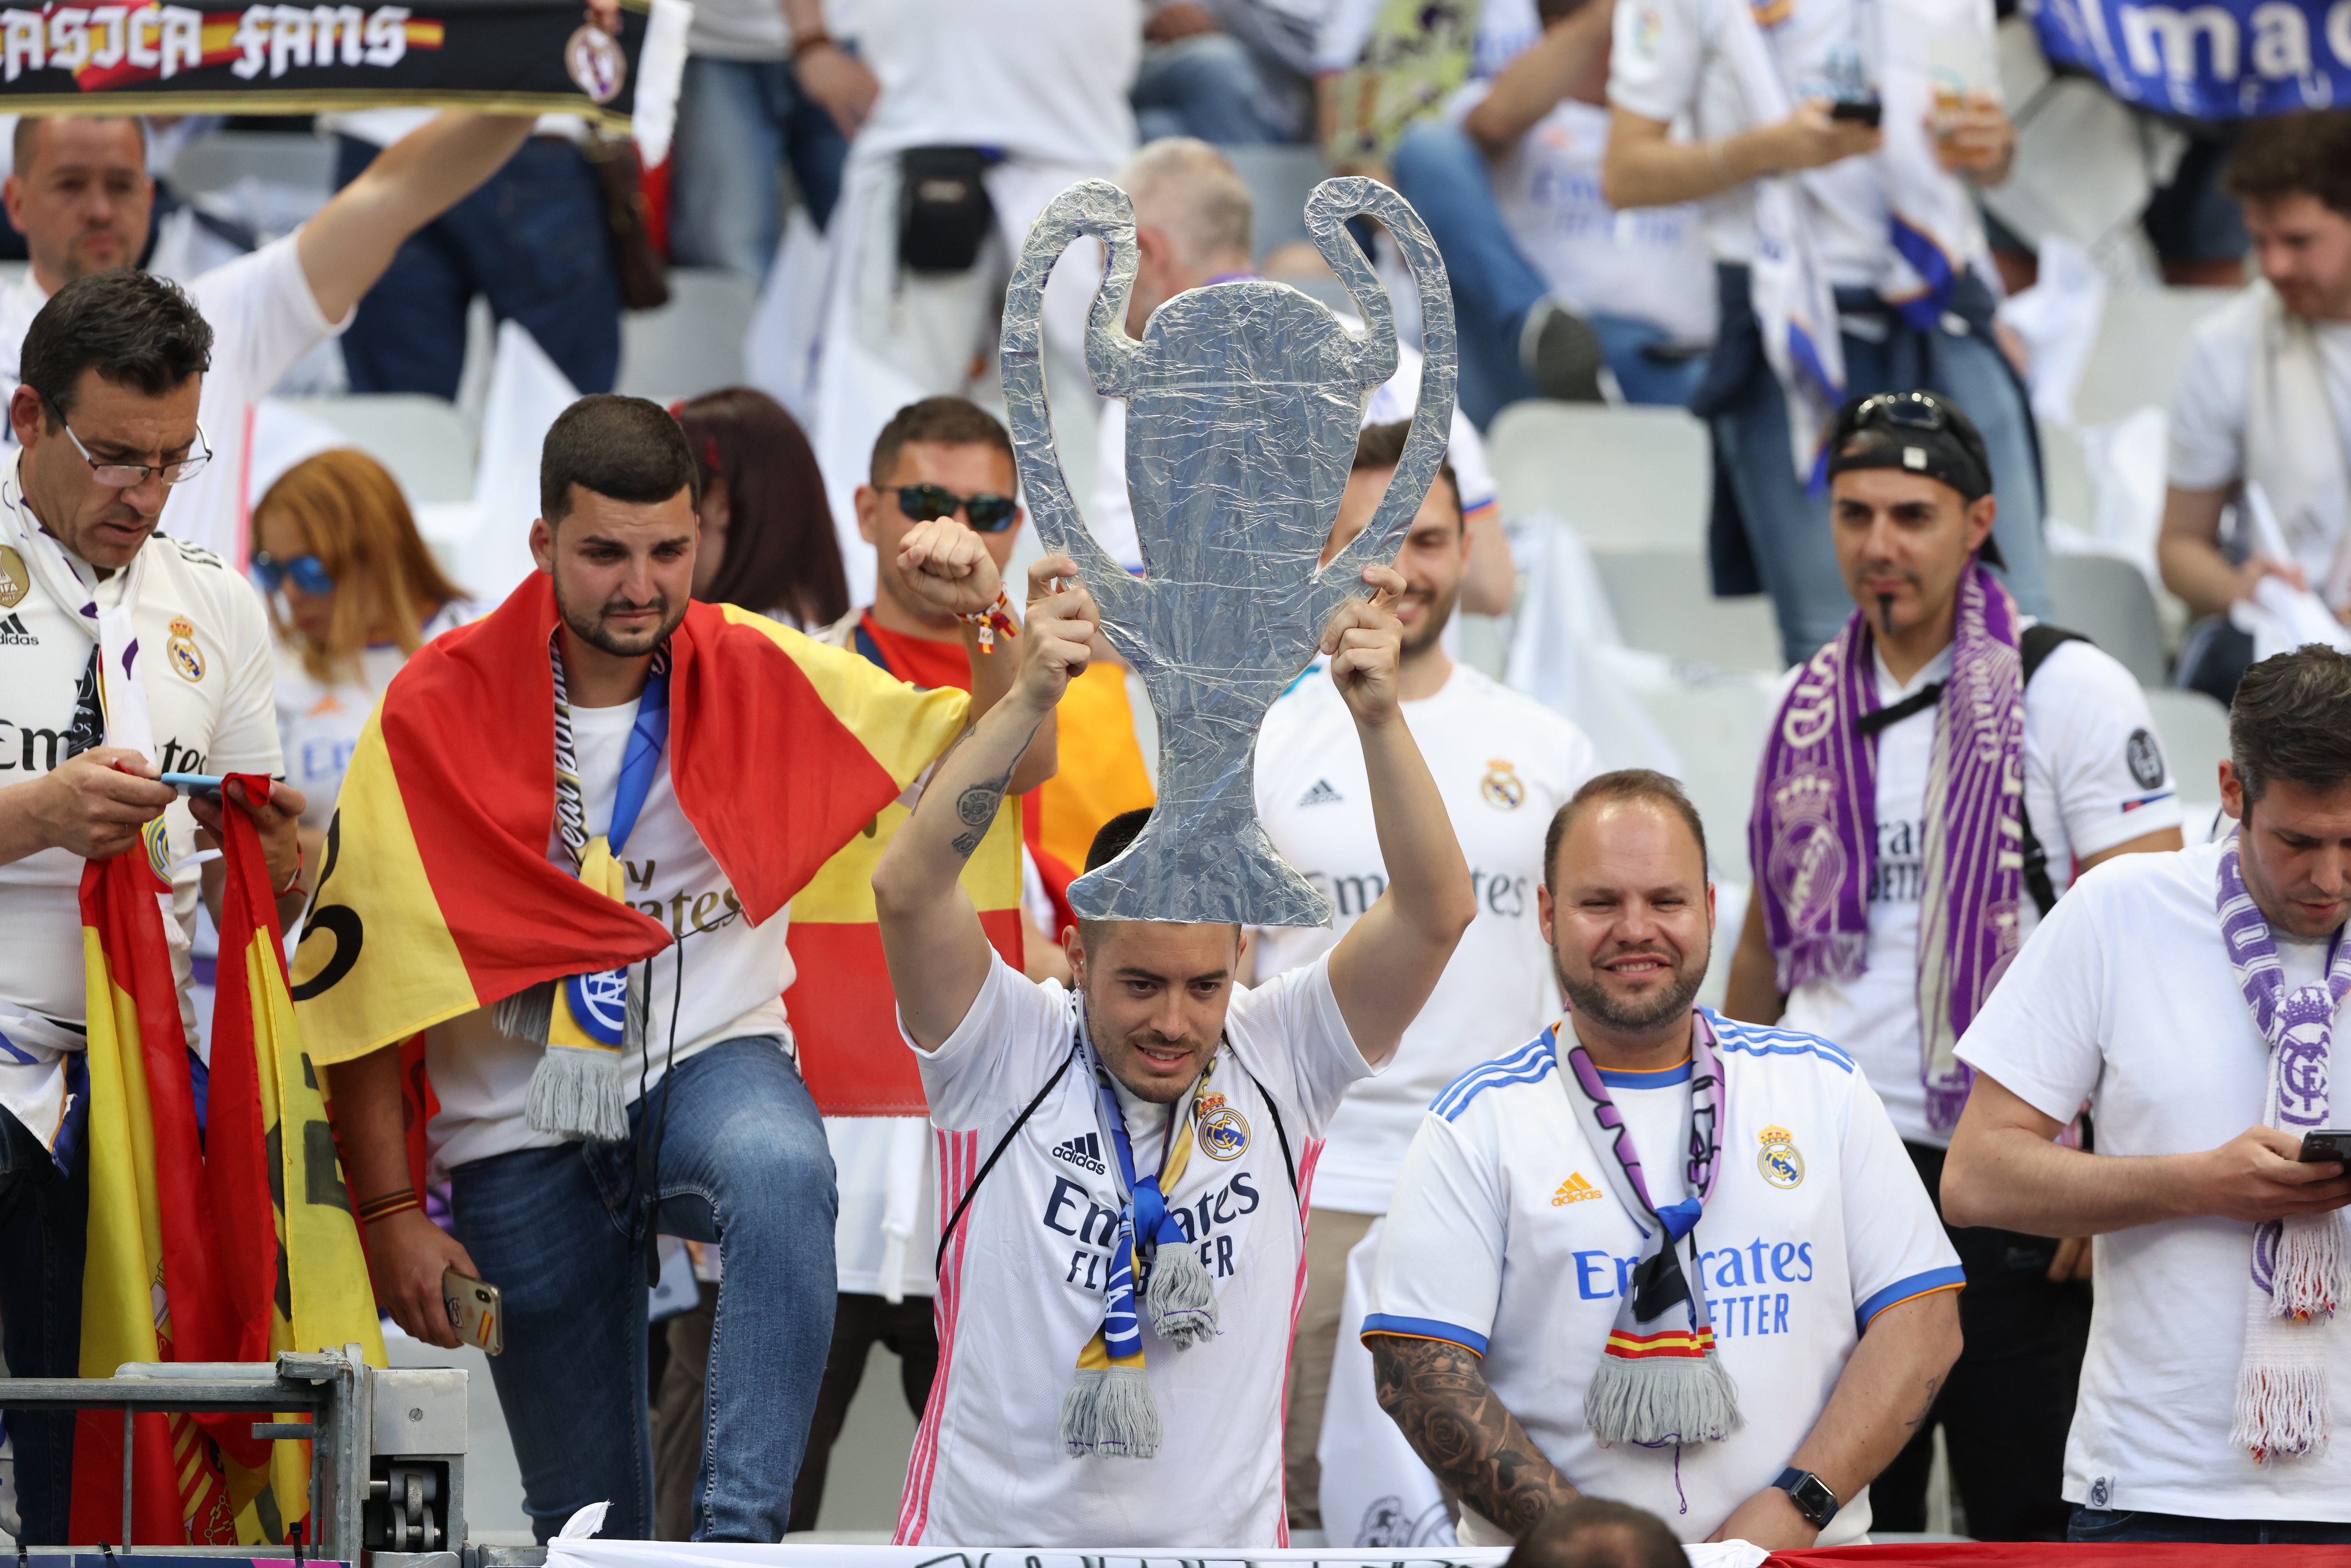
739 122
1786 527
2100 1524
1214 86
44 1237
1440 171
533 239
743 1162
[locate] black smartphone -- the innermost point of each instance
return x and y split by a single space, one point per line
2326 1144
1867 110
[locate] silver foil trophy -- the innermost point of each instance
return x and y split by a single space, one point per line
1243 401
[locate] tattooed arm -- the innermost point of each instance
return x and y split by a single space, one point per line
1436 1391
931 935
1888 1385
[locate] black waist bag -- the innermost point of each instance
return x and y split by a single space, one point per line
944 212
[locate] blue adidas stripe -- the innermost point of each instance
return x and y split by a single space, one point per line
1530 1063
1757 1040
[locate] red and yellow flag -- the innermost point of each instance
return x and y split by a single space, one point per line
437 896
229 1244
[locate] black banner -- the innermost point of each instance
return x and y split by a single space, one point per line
533 57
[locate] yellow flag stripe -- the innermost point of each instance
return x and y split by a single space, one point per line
841 893
118 1279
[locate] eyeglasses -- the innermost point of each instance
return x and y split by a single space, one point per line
124 476
987 514
308 573
1909 410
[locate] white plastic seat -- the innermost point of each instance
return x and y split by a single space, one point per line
2106 599
2194 730
1664 604
422 440
692 345
1634 476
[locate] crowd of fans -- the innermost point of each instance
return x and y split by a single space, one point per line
1735 1269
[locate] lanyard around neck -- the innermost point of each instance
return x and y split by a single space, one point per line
648 736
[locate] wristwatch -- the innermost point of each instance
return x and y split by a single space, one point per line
1810 1495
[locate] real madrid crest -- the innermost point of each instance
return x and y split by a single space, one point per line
1780 1164
595 63
1221 1131
1501 787
184 655
15 581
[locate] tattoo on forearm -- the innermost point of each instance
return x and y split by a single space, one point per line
1934 1386
1436 1393
977 806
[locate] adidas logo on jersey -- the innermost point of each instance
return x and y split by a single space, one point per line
12 633
1320 795
1084 1151
1574 1189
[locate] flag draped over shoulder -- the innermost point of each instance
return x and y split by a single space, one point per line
437 896
229 1244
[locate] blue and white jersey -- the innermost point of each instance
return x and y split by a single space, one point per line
1503 1237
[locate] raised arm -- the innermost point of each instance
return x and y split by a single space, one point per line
1385 966
1532 85
1436 1393
1886 1388
948 565
2005 1168
931 935
416 179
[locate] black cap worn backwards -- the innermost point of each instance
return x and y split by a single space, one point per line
1918 433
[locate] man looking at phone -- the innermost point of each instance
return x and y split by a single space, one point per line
105 420
2192 1001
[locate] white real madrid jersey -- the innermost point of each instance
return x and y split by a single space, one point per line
1504 764
1504 1239
1020 1287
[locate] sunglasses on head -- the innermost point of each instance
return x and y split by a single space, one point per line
307 572
1905 410
986 514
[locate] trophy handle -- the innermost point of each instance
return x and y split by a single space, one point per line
1099 208
1332 203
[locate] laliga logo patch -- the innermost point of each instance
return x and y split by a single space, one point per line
599 1003
184 656
1780 1164
595 63
1501 787
1222 1132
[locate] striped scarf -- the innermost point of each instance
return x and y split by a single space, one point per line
2297 1280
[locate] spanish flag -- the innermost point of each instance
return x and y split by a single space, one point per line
229 1244
843 1012
437 897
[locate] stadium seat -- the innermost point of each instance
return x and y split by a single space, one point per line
692 345
422 440
1665 605
2195 733
2144 337
1279 179
1619 476
1718 727
2106 599
220 159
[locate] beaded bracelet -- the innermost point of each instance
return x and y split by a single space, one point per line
995 617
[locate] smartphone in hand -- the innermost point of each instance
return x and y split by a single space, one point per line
475 1312
1867 111
2326 1144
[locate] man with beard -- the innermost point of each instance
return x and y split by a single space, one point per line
612 793
1125 1161
1656 1255
1504 764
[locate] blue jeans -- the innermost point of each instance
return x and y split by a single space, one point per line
44 1237
534 240
738 121
1786 527
1214 86
2099 1525
743 1161
1440 171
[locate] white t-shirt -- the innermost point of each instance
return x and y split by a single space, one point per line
1112 515
1505 764
2127 998
1021 1291
879 1161
1649 263
263 317
2094 776
217 721
318 723
1044 79
735 973
738 30
1668 64
1504 1239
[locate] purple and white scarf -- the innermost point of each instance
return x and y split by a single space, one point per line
2296 1278
1814 830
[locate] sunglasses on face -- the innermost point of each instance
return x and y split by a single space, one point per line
307 572
986 514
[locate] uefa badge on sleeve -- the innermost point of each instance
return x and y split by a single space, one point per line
1780 1164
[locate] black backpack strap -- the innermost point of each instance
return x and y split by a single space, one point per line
2035 645
1289 1164
946 1230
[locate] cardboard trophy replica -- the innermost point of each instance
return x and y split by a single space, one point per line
1243 404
